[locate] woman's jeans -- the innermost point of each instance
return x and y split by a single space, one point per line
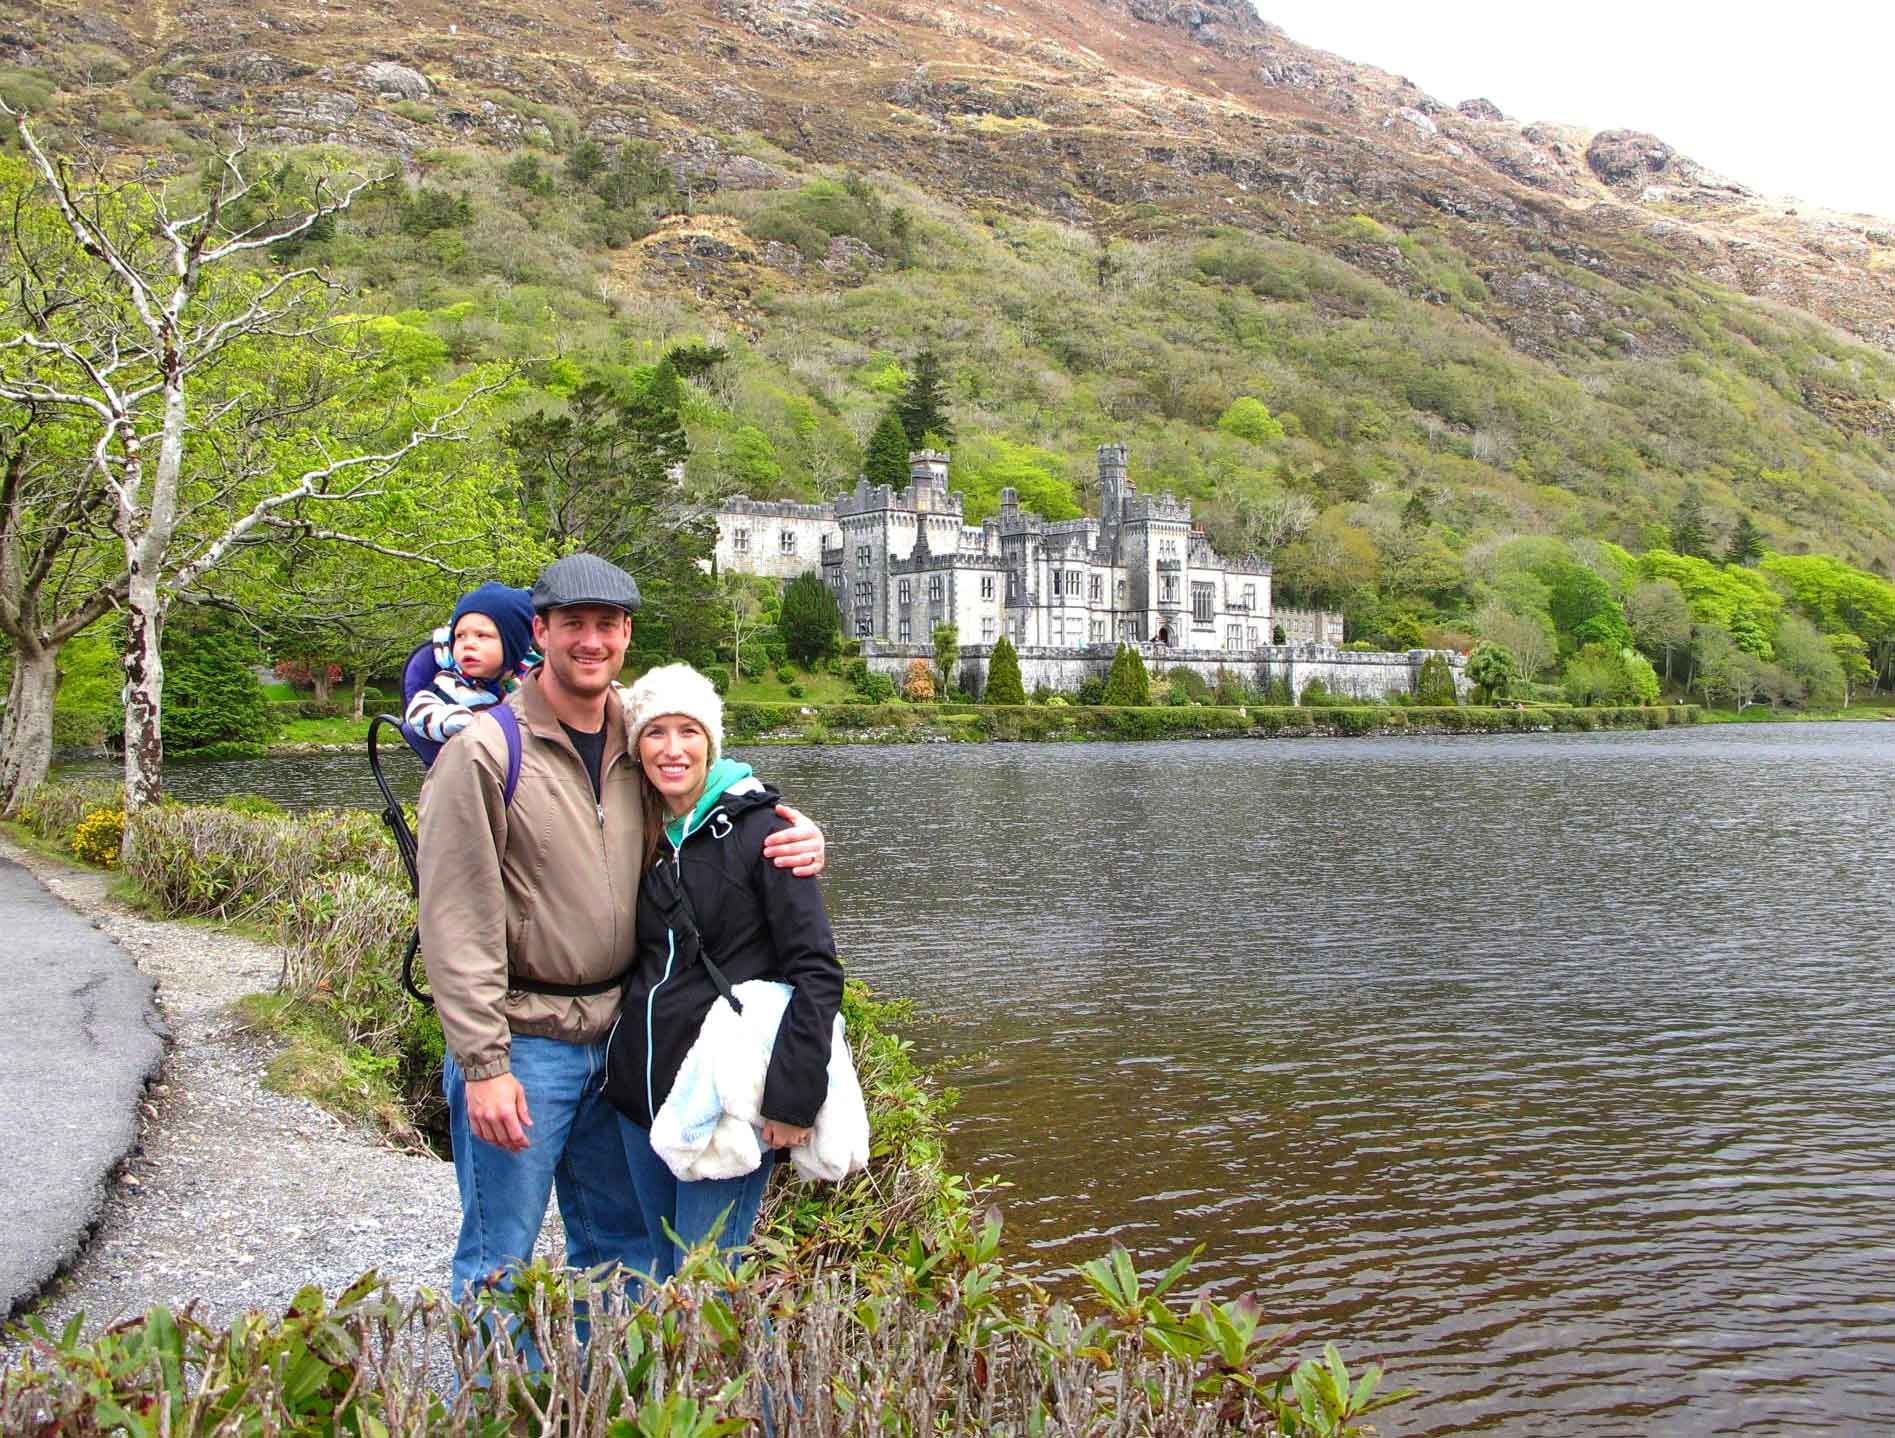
691 1207
573 1147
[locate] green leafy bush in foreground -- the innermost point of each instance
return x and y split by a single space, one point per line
940 1345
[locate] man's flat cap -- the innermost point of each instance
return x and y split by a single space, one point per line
584 579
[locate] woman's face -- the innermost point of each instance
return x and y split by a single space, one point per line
675 752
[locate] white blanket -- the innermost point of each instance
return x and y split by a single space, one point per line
708 1124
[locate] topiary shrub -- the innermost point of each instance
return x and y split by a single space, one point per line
99 837
785 674
719 675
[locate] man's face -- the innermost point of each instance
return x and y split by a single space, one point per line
584 645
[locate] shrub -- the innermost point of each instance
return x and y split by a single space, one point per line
785 674
1191 683
1127 683
216 863
1435 683
53 808
1003 674
795 691
918 685
940 1343
719 675
98 838
1091 691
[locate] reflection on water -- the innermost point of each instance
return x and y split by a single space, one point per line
1554 1073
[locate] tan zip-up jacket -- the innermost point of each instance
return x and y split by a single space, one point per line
546 887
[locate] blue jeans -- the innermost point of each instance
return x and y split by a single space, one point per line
573 1146
691 1208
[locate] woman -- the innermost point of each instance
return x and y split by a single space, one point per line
712 913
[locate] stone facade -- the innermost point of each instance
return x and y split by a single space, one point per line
772 537
1140 573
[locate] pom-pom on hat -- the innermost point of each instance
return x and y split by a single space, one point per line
674 689
512 613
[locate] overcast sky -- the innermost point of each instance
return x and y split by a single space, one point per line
1788 99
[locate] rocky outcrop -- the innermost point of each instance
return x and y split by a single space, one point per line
396 81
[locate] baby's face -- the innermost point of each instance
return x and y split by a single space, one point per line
477 647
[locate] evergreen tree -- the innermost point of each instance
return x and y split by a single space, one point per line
1688 534
1435 683
887 460
213 701
808 622
667 391
1128 683
1003 675
922 406
1746 546
1415 514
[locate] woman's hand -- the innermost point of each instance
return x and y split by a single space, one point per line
800 848
783 1135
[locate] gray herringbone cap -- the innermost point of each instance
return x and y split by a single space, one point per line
584 579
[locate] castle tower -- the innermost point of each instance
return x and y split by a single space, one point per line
1113 489
928 479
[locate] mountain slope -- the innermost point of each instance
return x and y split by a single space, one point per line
1127 214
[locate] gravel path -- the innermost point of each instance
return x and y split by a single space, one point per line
234 1195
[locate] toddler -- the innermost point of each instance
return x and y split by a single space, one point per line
480 655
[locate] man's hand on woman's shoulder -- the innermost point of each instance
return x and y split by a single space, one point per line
800 848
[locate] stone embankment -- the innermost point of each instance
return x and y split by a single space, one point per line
219 1190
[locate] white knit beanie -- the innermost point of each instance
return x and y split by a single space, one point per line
674 689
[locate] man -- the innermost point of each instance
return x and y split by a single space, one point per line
527 922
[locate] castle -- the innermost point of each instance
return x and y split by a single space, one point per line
1067 593
901 563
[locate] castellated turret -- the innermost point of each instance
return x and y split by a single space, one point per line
928 468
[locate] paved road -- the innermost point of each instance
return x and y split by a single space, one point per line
79 1039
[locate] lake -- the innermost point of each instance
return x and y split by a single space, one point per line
1555 1073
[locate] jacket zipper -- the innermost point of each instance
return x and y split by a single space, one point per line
671 954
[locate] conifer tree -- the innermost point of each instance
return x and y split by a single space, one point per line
887 459
1128 683
1004 685
807 621
1435 683
1688 535
667 391
922 406
1746 546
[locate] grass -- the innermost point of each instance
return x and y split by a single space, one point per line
818 688
321 731
318 1063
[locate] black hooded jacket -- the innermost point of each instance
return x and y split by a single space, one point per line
756 921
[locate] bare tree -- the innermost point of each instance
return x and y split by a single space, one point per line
1273 518
149 323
